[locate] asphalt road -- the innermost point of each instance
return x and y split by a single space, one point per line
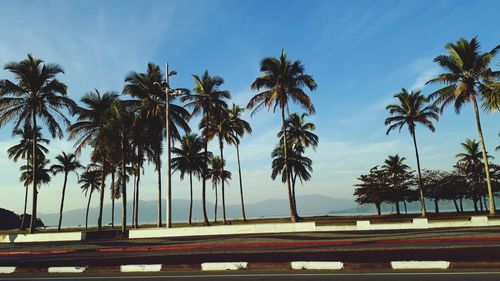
285 276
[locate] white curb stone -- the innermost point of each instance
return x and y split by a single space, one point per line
141 268
420 264
224 265
67 269
318 265
7 269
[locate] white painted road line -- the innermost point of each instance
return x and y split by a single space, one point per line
224 265
7 269
141 268
318 265
67 269
420 264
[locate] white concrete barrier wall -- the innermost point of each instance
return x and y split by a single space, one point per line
7 269
224 265
67 269
141 268
223 230
317 265
42 237
420 265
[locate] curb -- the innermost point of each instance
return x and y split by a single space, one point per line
241 265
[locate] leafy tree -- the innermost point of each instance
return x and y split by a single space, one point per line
190 159
36 94
206 98
217 174
89 130
67 163
412 109
283 80
90 180
24 150
373 188
436 184
467 78
239 127
398 173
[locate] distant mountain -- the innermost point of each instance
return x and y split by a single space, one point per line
307 205
413 207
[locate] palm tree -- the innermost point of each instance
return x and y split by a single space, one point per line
67 163
150 102
300 135
220 125
239 127
299 131
90 180
283 80
206 98
24 150
190 159
470 161
38 94
300 165
217 174
467 78
412 109
396 168
42 175
88 130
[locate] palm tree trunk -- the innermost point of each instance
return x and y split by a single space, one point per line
204 184
215 211
62 202
87 213
191 196
221 146
22 227
293 212
485 158
124 188
133 200
158 169
113 198
420 187
241 185
101 200
294 180
34 168
137 195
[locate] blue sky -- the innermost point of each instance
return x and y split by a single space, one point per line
359 52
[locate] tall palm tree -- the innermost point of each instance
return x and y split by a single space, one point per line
396 168
90 180
88 130
467 78
36 94
67 163
151 103
24 150
190 159
283 80
220 125
206 98
239 127
42 175
217 174
412 109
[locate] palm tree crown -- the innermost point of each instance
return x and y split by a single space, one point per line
412 109
66 163
299 131
24 148
216 172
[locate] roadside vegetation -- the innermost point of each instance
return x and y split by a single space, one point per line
125 131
